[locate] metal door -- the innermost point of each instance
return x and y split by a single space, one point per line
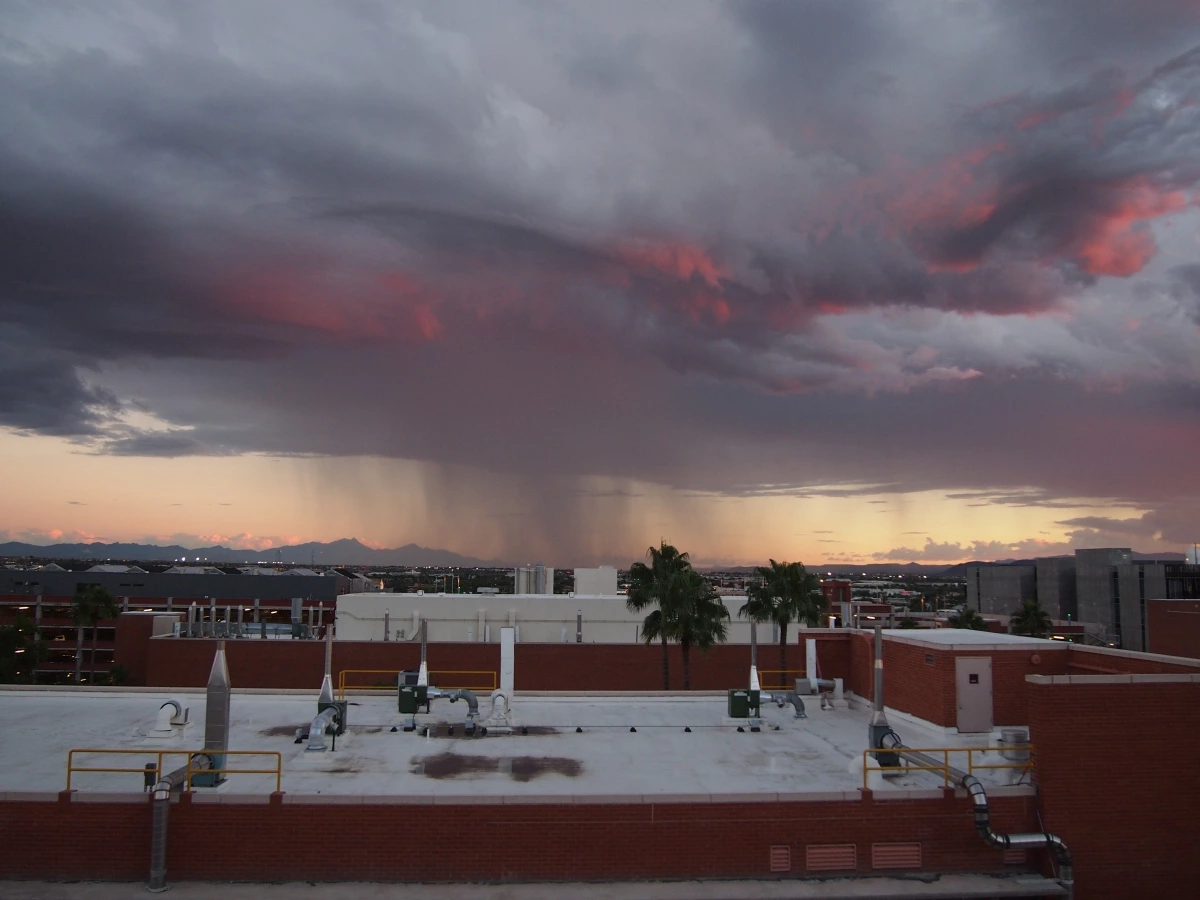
973 681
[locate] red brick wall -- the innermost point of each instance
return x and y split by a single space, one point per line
1117 782
1173 627
181 662
535 842
928 691
1097 661
132 645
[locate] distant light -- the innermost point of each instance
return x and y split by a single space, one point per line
147 610
22 607
18 651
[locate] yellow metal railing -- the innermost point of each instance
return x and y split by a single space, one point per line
487 679
785 684
159 771
945 767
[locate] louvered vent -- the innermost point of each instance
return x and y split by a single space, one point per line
896 856
781 859
827 857
1015 857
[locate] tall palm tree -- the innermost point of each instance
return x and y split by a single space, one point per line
701 618
91 604
1032 620
658 584
786 593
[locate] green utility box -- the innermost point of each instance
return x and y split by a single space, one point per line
412 697
741 701
342 706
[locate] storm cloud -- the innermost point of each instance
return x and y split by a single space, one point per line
734 248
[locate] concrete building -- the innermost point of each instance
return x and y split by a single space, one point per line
1056 586
601 581
538 618
1000 589
325 586
1095 588
538 579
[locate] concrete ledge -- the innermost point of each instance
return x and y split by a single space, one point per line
28 797
399 800
83 797
682 798
886 793
1169 678
743 798
608 799
324 799
820 797
468 800
1011 790
232 799
536 800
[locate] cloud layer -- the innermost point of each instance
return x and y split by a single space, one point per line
728 247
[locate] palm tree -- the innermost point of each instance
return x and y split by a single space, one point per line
700 620
657 585
1032 620
968 618
787 592
91 604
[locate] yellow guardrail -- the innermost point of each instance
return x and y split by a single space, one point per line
488 683
945 767
159 771
785 684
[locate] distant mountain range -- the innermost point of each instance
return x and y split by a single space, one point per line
345 552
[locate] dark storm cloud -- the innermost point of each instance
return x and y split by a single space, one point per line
799 233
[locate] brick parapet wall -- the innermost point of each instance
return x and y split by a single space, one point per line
1117 783
495 843
185 662
1173 627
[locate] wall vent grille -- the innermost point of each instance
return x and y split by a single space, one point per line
781 859
1015 857
896 856
828 857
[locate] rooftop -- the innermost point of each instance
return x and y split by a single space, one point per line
819 757
948 638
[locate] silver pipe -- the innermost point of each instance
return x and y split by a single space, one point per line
579 627
983 824
326 719
783 699
387 625
424 638
753 644
160 807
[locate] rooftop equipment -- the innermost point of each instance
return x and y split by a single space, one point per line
216 719
331 714
411 697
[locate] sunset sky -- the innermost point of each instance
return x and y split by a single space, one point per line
852 281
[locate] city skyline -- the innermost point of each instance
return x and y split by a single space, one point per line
838 283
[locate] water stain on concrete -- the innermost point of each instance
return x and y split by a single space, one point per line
519 768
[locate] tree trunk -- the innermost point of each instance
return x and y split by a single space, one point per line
78 652
783 653
92 673
666 665
685 649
